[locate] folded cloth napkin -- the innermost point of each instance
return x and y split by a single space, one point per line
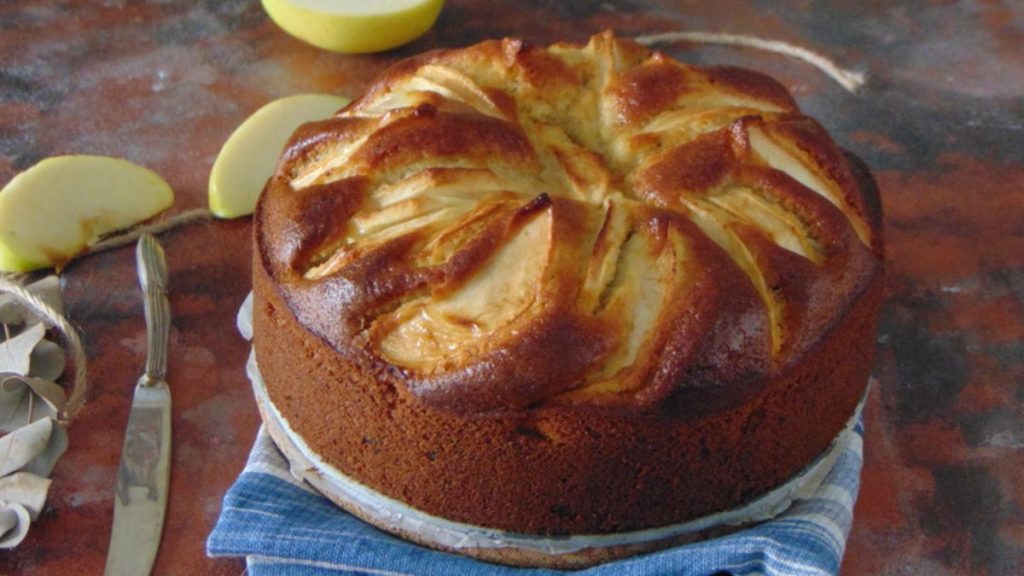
282 527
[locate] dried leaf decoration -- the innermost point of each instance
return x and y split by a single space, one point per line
21 447
16 352
30 402
14 522
24 399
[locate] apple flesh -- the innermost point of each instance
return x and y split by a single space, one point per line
249 156
354 26
56 209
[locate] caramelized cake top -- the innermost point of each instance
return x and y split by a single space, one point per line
505 226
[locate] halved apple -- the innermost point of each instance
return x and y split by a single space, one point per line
354 26
56 209
249 156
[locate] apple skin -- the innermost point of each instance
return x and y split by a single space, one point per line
250 154
56 209
355 32
11 262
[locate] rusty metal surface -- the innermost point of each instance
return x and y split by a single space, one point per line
941 123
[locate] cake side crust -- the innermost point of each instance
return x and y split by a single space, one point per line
560 470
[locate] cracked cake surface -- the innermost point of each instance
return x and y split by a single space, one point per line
657 274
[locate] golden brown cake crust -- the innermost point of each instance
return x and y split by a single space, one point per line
581 289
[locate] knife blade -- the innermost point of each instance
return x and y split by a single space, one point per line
140 501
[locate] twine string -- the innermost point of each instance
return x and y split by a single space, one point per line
76 396
132 234
80 382
848 79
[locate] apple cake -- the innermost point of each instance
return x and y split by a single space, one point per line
581 289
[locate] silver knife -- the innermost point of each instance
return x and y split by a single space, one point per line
142 477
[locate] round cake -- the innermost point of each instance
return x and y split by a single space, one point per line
566 290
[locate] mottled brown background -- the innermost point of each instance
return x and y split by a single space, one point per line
164 82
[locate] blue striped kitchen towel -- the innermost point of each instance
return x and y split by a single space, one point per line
283 527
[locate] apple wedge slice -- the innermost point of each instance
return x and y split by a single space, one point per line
249 156
56 209
354 26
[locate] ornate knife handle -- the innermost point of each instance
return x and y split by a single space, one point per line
152 270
